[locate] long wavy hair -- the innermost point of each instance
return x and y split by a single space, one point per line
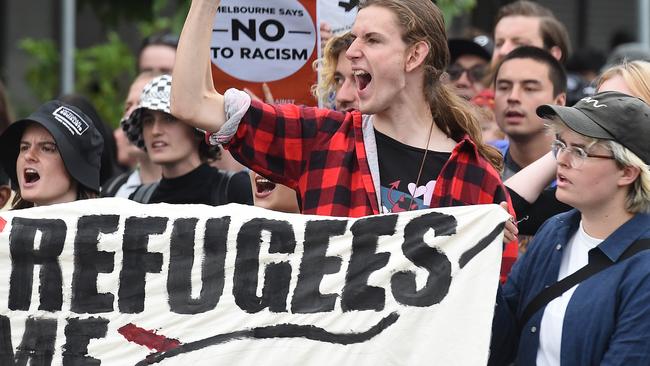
422 21
327 65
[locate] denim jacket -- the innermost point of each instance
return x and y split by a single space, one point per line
607 320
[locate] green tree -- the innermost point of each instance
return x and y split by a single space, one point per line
100 73
452 8
103 71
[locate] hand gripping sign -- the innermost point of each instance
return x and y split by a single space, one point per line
131 284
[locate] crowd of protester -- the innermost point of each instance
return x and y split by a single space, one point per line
477 119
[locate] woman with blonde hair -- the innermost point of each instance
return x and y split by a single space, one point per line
336 79
594 260
632 78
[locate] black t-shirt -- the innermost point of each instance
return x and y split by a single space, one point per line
198 186
533 215
399 165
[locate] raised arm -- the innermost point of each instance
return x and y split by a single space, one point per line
193 97
530 181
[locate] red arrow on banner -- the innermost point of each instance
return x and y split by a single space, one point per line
148 338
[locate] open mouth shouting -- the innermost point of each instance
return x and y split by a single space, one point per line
363 79
30 176
263 187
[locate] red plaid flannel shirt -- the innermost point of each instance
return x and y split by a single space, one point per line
321 154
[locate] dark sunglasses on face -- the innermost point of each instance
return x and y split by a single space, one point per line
474 73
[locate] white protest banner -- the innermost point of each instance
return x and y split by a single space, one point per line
112 282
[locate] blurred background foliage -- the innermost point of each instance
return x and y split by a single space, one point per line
103 71
100 73
452 8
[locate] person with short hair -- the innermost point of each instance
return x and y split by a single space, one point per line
603 319
527 23
182 154
157 54
52 156
526 78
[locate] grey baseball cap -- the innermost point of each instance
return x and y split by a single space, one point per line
608 116
79 142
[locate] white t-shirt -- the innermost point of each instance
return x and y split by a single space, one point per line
575 256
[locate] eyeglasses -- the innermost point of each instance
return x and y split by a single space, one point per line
474 73
577 155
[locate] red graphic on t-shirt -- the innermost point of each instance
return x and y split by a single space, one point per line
400 205
3 222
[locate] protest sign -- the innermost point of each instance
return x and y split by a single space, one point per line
113 282
339 15
273 42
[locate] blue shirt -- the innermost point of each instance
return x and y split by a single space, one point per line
607 320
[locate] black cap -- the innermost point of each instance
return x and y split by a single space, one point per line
481 46
608 116
76 137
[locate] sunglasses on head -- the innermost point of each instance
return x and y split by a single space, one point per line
164 39
474 73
